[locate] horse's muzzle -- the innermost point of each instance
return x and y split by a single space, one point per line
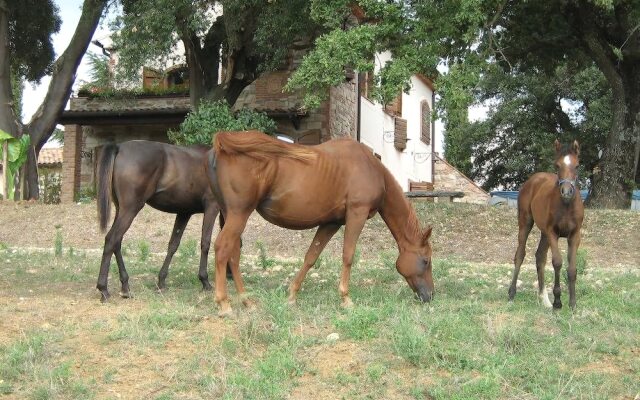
425 295
567 189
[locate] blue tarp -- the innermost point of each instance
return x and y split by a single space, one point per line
512 194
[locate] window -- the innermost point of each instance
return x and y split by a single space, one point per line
425 125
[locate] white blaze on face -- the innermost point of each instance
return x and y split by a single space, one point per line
567 161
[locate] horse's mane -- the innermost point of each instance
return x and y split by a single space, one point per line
257 144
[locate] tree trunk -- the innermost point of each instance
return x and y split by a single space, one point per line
613 185
45 118
8 120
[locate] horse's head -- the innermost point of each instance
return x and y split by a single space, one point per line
415 265
566 166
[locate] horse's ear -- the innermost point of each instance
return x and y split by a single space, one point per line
426 235
557 146
575 147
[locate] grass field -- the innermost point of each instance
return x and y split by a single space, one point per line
58 341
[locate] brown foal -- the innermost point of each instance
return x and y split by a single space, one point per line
553 202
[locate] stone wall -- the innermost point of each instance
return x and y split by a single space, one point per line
448 178
343 110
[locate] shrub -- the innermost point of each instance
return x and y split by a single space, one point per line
212 117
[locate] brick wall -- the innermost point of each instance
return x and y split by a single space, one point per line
448 178
71 163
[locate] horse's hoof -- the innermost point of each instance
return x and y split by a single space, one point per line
207 287
225 310
291 301
557 305
225 313
249 304
104 297
347 303
125 295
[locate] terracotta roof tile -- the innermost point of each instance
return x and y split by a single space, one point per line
50 156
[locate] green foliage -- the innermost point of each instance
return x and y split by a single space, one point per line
32 23
149 32
50 182
360 323
86 194
57 243
101 92
212 117
16 156
524 117
265 261
99 70
188 249
143 250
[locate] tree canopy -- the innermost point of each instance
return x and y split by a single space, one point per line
526 61
247 37
523 59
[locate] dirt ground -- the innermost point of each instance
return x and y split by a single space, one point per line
465 232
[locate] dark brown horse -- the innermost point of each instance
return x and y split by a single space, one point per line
168 178
553 202
336 183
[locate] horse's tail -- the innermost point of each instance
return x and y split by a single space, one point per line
259 145
105 179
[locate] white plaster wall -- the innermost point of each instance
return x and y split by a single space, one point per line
416 149
377 128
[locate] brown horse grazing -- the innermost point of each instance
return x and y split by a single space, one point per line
553 202
168 178
298 187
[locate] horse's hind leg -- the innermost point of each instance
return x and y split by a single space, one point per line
112 243
354 223
322 237
176 235
541 262
525 223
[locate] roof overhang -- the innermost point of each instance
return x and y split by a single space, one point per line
124 117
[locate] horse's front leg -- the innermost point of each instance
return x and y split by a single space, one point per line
234 267
556 260
353 227
541 263
573 242
322 237
225 249
525 223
